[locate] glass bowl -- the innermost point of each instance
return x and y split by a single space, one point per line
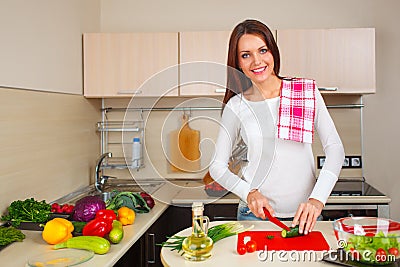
370 240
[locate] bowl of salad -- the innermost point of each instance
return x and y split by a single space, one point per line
369 240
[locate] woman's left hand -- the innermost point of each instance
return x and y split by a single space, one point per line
307 214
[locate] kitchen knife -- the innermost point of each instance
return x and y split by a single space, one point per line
275 220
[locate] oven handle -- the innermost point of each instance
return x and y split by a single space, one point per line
351 207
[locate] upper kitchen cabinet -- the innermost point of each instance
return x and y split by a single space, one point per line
203 58
130 64
340 60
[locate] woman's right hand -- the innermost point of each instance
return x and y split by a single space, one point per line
256 202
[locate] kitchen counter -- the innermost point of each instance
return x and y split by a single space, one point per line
18 253
168 194
224 251
189 195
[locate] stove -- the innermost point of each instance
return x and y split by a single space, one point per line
354 187
355 197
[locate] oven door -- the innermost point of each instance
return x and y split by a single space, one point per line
335 211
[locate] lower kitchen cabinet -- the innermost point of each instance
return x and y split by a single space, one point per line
221 212
146 253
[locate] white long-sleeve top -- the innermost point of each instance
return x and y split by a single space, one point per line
281 170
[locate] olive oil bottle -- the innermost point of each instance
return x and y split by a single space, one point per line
198 246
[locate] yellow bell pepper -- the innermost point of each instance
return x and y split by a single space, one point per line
57 230
126 215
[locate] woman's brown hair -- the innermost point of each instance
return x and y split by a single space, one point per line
237 82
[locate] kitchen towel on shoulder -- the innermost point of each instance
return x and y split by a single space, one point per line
297 110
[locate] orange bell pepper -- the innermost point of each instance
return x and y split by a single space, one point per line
57 230
126 215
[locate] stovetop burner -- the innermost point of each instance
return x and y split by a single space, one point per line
354 187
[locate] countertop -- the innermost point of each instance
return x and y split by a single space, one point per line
189 195
224 251
18 253
184 194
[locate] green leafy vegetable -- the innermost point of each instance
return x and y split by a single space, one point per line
216 233
369 247
131 200
78 226
28 210
9 235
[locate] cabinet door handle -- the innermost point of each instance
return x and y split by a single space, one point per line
129 92
220 90
331 89
151 248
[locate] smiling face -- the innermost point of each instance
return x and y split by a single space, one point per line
255 59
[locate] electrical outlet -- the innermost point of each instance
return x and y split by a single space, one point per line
349 162
320 161
355 161
346 162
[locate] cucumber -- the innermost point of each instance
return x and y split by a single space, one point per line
117 232
96 244
294 231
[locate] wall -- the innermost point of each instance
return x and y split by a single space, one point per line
48 141
48 144
381 115
380 131
41 43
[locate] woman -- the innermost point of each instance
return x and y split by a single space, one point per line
276 117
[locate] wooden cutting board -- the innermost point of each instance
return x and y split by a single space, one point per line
184 148
313 241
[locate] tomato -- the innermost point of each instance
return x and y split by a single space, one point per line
65 208
251 246
55 207
241 249
393 251
369 234
380 255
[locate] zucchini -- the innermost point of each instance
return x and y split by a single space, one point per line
117 232
96 244
294 231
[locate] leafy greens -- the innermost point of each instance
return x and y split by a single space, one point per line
28 210
9 235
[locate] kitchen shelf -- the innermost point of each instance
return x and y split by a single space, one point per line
120 126
120 163
117 137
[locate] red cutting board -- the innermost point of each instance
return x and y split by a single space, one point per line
313 241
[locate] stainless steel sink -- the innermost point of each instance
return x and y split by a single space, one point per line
111 188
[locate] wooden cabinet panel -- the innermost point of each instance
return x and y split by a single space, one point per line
210 50
145 252
118 64
335 58
221 212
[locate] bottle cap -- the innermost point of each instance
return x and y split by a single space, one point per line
136 139
198 208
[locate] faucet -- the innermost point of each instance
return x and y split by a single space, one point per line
101 179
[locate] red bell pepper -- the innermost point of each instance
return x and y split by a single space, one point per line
108 215
97 227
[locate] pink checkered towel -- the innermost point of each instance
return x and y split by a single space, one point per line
297 110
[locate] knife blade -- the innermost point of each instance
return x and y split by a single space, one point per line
275 220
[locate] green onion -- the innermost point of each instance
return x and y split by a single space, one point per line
216 233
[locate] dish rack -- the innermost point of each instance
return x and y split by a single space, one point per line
117 138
